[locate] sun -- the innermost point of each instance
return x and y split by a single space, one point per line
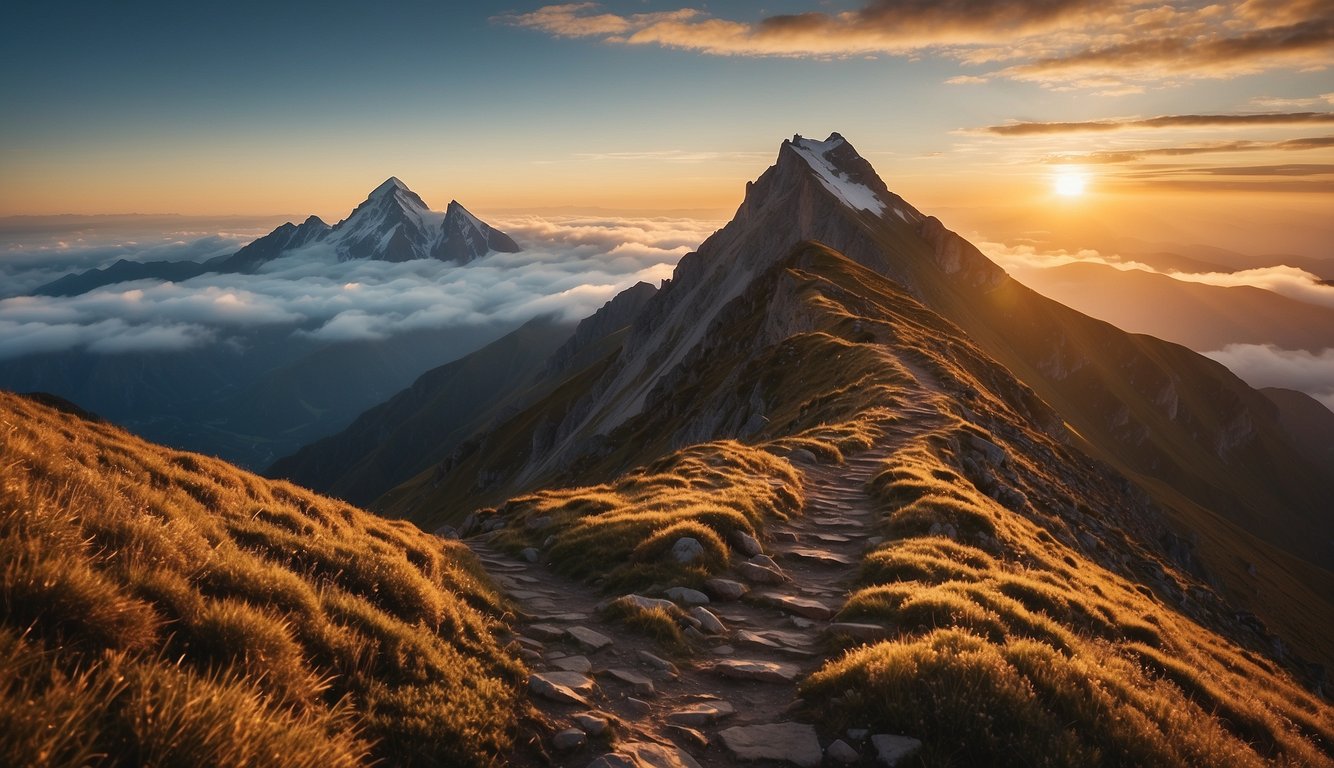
1070 182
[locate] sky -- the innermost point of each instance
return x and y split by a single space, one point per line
612 137
966 106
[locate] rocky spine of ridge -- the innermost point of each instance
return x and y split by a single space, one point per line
287 237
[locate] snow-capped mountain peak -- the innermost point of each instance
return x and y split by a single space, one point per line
464 237
823 158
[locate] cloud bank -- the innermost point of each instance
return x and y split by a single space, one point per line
1264 365
1287 281
1115 46
570 267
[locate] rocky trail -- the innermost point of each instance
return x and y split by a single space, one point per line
613 697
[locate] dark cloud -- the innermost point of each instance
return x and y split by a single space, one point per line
1162 121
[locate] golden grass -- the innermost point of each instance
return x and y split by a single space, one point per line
1014 648
162 608
706 492
660 623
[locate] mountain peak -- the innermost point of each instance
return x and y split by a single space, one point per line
389 186
843 172
464 237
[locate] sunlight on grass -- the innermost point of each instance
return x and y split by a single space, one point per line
169 609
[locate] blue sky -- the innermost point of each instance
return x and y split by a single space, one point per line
251 108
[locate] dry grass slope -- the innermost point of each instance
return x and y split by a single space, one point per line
163 608
1015 648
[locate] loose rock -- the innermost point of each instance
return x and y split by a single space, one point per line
725 589
687 596
842 753
568 740
591 724
709 623
564 687
687 550
641 685
746 544
891 750
590 639
701 714
795 743
530 554
752 669
579 664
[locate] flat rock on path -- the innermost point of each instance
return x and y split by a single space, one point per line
590 639
564 687
794 743
755 669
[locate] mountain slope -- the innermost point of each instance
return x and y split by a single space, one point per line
164 608
1001 597
421 425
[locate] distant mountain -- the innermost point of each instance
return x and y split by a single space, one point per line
1201 316
392 224
123 271
425 425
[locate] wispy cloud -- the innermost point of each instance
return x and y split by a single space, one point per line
1287 281
1162 121
1111 46
1112 157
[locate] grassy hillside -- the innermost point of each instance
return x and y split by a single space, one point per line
163 608
1015 648
1037 607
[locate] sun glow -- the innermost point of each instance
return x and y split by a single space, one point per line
1070 182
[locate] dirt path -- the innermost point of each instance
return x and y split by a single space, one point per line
744 676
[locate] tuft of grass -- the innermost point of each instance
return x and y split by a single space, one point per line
707 492
160 608
659 623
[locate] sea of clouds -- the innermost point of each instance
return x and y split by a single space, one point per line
569 267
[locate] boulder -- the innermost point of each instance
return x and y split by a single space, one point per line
687 550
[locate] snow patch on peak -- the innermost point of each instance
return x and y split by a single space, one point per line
456 209
854 195
390 184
